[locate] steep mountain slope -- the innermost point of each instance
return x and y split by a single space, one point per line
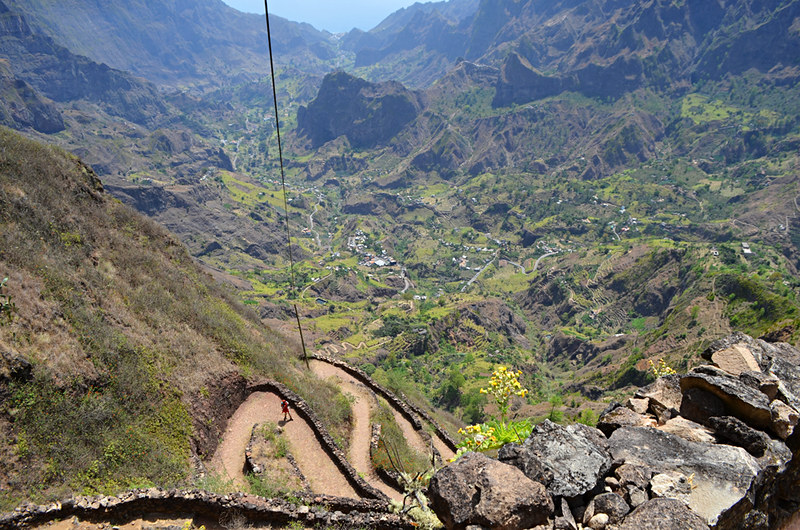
597 48
63 76
577 187
139 137
120 355
178 43
22 107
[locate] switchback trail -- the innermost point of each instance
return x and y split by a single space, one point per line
413 437
313 461
360 436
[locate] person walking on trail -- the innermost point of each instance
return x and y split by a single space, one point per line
285 410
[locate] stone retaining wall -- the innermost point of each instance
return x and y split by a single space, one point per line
411 412
326 441
389 476
252 466
211 409
318 510
371 512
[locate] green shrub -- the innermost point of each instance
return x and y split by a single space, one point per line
7 307
394 446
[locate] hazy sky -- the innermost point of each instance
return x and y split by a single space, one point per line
335 16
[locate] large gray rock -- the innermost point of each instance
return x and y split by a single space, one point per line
720 474
611 504
477 490
664 395
774 498
778 359
736 432
741 400
663 514
569 461
622 417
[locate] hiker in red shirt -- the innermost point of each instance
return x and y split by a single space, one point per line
285 410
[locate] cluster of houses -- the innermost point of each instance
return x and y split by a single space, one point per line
745 249
356 244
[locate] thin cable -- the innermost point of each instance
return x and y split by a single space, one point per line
283 184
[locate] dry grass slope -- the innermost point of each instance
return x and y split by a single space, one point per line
121 329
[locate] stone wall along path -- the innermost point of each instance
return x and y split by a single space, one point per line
313 461
409 417
358 454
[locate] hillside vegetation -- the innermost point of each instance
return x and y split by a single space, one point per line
115 335
572 189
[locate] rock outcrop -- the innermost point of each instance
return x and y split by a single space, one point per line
367 114
477 490
568 460
715 447
720 474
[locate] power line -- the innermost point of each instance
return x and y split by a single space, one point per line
283 184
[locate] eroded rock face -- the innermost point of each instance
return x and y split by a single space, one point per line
569 461
779 360
366 113
477 490
740 399
721 474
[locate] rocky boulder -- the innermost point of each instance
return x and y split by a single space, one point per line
778 360
736 432
740 400
784 418
720 474
688 430
477 490
663 514
735 359
664 397
610 504
622 417
679 473
569 461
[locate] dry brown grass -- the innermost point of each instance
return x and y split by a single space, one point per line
122 327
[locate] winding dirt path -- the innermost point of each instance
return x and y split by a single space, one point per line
358 455
444 449
313 461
